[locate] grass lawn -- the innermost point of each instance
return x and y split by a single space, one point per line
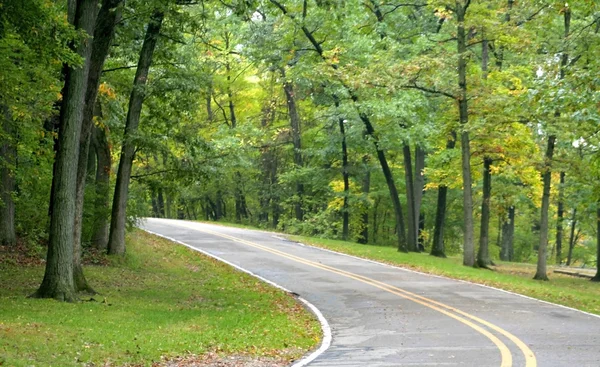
161 300
566 290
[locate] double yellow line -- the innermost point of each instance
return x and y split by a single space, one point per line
472 321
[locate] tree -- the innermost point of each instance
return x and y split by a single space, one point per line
58 276
116 242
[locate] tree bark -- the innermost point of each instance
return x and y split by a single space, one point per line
572 237
104 31
389 180
366 187
483 255
8 161
468 245
411 237
102 187
560 218
419 192
437 249
290 98
547 173
116 241
346 177
58 279
508 231
546 177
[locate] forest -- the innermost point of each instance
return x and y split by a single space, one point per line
452 127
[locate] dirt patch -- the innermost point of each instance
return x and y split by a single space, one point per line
214 360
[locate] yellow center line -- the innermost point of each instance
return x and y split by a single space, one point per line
506 356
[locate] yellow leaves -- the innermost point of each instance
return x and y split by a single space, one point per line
443 13
333 55
105 90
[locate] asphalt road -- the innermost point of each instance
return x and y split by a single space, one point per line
386 316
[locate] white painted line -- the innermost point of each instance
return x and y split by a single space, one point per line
444 277
280 235
325 328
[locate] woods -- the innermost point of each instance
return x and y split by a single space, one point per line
414 125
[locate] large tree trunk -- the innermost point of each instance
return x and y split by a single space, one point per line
572 237
8 160
547 177
103 35
437 249
508 232
102 186
346 177
116 241
483 255
411 237
58 277
596 277
290 98
468 245
419 192
560 218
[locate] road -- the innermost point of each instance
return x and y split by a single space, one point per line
387 316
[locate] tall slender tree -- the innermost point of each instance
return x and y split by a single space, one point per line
116 240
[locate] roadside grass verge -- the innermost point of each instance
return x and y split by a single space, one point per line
515 277
160 301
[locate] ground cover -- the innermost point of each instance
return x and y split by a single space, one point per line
162 304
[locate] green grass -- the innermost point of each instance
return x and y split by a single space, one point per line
160 300
570 291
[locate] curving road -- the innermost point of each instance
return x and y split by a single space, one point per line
387 316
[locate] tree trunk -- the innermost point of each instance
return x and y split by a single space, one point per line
296 141
559 220
104 31
547 177
437 248
411 237
8 160
596 277
102 200
345 175
160 199
58 277
572 237
468 245
219 206
419 192
483 255
389 180
508 231
547 173
366 186
116 242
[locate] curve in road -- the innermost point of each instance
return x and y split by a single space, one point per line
241 249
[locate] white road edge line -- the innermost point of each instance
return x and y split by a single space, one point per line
439 276
279 235
325 328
